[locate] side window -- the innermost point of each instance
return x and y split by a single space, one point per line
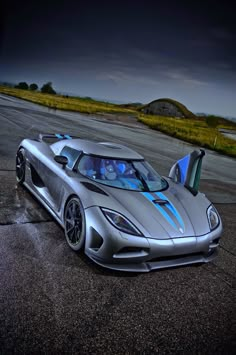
71 154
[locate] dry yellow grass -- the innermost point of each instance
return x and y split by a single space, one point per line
193 131
84 105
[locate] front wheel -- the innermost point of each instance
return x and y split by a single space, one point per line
20 166
74 224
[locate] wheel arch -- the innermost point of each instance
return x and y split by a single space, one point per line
67 200
20 147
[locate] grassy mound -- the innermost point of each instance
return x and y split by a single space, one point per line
183 109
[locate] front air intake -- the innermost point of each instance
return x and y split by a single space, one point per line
96 240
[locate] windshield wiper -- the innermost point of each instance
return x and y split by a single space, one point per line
139 176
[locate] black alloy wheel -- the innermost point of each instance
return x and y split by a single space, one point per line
20 166
74 224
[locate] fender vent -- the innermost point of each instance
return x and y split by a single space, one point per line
36 179
93 188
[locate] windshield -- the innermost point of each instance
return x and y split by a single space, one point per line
124 174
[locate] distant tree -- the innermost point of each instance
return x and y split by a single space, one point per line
212 121
22 85
47 88
33 87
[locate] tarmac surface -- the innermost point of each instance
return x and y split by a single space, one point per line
55 301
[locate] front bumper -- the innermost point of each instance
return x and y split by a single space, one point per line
113 249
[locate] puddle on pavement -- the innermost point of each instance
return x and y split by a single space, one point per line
17 205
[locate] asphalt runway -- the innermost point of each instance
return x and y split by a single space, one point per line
55 301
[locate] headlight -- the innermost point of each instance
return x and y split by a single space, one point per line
120 222
213 217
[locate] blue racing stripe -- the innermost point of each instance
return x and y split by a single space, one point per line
160 209
67 136
59 136
171 207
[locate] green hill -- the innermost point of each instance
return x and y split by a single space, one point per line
183 109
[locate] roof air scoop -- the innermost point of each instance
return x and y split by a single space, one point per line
160 201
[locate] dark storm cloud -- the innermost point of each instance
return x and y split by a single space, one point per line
148 45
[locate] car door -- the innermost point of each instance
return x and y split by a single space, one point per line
187 171
54 177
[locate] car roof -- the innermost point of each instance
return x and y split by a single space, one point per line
104 149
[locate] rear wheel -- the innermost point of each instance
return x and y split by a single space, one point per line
74 224
20 166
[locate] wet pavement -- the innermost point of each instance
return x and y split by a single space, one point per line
55 301
17 206
228 133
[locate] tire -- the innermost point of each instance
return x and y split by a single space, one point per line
20 166
74 224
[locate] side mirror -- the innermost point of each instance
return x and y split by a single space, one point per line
60 159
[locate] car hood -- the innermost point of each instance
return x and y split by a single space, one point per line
173 213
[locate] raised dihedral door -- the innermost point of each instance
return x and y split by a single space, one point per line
187 171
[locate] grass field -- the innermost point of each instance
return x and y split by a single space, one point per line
192 130
83 105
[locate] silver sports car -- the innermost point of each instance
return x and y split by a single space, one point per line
116 207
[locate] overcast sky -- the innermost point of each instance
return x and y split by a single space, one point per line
131 51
